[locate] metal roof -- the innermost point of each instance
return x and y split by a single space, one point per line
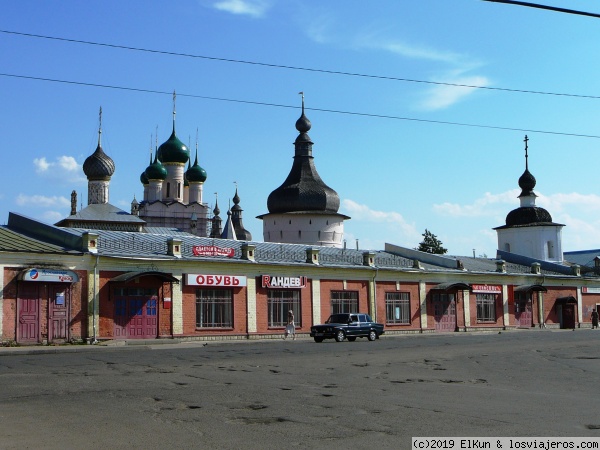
11 241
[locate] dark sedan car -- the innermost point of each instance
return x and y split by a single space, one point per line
347 326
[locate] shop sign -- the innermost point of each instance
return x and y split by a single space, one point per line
271 281
590 290
215 280
212 250
486 289
50 276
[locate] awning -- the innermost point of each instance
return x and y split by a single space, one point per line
452 287
568 299
530 288
128 276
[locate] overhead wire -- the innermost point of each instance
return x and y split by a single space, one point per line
334 111
288 67
547 7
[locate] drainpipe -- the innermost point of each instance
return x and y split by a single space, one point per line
375 294
94 340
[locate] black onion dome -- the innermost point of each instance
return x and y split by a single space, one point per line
528 215
99 166
303 125
236 202
303 189
526 183
144 178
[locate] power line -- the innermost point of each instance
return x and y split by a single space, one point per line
550 8
333 111
306 69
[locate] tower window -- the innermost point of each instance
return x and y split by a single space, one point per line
551 252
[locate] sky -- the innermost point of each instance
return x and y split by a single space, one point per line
419 109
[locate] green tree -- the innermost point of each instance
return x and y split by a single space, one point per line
431 244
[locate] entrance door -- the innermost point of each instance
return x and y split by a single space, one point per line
28 316
444 312
58 314
135 315
568 316
523 314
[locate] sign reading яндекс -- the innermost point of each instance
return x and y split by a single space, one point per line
272 281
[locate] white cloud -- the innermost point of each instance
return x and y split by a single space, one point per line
418 52
442 96
41 165
253 8
393 226
556 203
52 216
41 201
64 168
484 206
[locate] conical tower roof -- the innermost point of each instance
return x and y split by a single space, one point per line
303 190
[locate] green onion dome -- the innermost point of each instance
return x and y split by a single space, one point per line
173 150
156 171
196 174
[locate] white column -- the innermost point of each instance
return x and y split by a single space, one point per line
467 308
423 303
316 301
505 305
177 305
579 306
93 305
251 303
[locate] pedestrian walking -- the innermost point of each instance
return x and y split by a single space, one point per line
595 318
290 328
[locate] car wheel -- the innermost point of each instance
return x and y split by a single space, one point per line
352 338
318 339
340 336
372 335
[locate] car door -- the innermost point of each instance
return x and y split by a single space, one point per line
364 324
353 328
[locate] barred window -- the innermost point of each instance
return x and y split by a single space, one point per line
344 302
397 308
280 301
214 308
486 307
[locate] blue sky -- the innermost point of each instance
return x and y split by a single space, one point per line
403 155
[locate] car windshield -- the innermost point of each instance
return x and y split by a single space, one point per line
337 318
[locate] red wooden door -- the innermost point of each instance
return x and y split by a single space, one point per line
28 316
444 312
523 314
135 317
58 314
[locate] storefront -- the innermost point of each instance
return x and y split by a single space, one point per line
44 305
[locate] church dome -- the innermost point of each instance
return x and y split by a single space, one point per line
156 171
99 166
196 174
144 178
173 150
528 215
